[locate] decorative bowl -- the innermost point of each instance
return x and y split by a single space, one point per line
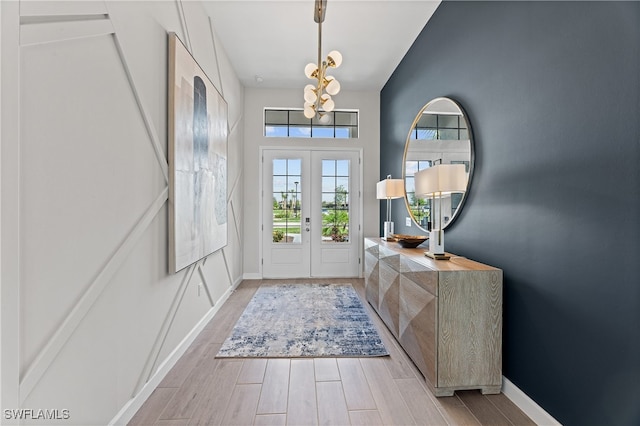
410 241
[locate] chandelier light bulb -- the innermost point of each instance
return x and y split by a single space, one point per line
327 103
332 85
309 110
325 119
310 93
334 59
311 70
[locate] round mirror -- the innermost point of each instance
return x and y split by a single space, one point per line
440 134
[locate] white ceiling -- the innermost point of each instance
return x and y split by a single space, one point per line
275 39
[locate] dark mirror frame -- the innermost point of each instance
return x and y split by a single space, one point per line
418 219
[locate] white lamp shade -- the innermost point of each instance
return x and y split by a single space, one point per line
334 58
453 177
310 70
325 118
442 178
327 103
333 86
426 182
390 188
309 110
310 93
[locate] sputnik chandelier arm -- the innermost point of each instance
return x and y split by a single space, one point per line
318 97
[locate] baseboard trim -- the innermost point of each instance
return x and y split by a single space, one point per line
132 406
252 276
527 405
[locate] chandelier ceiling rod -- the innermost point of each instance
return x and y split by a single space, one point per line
318 16
314 96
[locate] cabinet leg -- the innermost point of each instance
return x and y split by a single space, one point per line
490 390
443 392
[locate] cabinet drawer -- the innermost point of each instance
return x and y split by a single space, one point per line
388 297
371 278
389 257
422 276
418 324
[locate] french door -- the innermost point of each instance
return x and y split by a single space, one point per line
310 213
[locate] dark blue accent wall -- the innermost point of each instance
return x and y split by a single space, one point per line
552 91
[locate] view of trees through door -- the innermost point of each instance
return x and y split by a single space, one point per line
335 201
287 201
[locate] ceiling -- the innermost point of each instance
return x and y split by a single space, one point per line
275 39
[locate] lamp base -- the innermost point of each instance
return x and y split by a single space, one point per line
436 241
388 232
443 256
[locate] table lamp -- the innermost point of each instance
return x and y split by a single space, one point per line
389 189
436 182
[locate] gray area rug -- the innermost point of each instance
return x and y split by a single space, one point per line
304 320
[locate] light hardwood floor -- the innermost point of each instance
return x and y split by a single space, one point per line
203 390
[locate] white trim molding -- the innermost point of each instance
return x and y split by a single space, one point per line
127 412
527 405
251 276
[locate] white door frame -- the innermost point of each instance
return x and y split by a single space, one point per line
359 232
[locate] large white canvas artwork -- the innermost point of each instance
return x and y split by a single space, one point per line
197 161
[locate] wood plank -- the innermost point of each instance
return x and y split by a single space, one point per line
253 370
217 394
242 405
223 321
420 405
177 422
510 410
332 407
482 409
187 397
275 388
151 409
356 389
270 420
302 407
365 418
187 362
398 364
326 369
391 406
455 412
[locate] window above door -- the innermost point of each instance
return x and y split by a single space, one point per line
291 123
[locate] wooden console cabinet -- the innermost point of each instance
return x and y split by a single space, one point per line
446 314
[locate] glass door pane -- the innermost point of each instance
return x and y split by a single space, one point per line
335 201
287 200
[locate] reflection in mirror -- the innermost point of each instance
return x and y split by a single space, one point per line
440 134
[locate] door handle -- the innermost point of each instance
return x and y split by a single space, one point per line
307 222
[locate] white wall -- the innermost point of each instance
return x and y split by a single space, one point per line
89 312
368 105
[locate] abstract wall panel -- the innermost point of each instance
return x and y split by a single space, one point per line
197 161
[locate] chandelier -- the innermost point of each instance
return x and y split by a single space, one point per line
317 96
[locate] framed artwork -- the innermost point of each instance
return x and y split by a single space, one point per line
197 161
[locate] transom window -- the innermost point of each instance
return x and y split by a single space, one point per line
291 123
440 126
